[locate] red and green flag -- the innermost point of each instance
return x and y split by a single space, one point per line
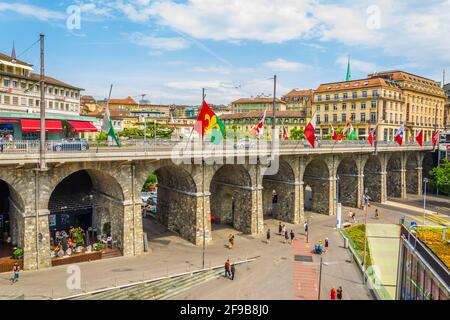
208 124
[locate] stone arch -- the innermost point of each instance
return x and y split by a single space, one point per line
428 163
231 197
177 200
282 185
373 178
347 172
11 211
394 176
412 174
317 177
88 198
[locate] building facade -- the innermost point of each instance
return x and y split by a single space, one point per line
20 103
447 107
257 104
299 100
388 98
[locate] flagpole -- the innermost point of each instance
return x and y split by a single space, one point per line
101 128
203 192
273 113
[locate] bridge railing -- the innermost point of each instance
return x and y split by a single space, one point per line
72 146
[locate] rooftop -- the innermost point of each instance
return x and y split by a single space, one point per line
7 58
256 100
257 115
128 100
355 84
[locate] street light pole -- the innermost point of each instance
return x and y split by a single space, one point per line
425 181
320 278
203 193
42 163
366 205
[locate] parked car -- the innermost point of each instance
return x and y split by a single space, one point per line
145 196
70 145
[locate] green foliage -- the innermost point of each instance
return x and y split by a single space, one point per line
18 253
77 236
99 246
440 177
162 132
297 134
328 137
107 228
103 136
356 236
151 181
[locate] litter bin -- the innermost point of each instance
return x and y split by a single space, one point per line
346 243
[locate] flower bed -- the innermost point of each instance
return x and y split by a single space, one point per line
432 238
356 236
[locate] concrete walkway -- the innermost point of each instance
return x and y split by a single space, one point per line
384 241
270 277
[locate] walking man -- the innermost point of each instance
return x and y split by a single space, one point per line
286 236
326 244
268 236
15 276
227 268
292 236
333 294
233 271
339 293
280 228
376 214
305 226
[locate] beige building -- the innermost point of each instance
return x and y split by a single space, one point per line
389 98
447 107
299 100
258 104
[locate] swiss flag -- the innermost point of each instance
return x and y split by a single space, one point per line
310 132
285 133
399 135
435 137
258 130
419 137
372 137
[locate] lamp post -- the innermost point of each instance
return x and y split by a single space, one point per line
365 199
425 181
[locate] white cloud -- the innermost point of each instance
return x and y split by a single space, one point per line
284 65
158 43
33 11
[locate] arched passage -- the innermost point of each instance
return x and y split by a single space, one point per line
428 163
347 173
412 175
176 205
231 195
11 221
317 178
394 178
372 178
92 200
279 193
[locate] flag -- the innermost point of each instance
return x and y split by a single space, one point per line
372 135
285 133
352 135
108 127
208 123
334 134
310 131
435 138
399 135
419 137
258 129
348 77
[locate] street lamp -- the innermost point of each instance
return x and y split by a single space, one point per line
425 181
365 199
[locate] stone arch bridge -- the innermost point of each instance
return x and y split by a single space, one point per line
237 194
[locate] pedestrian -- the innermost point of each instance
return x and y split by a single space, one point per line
268 236
339 293
227 268
333 294
231 240
15 276
305 226
233 271
286 236
376 214
283 230
353 215
1 143
279 228
326 244
292 236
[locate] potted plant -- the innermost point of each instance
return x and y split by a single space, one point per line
99 246
18 253
77 236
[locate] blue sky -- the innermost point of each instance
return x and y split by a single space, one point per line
170 49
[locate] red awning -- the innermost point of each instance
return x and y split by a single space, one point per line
82 126
9 121
33 125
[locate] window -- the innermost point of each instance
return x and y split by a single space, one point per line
6 83
363 105
353 106
353 116
345 95
326 107
14 84
327 97
374 93
335 107
373 104
344 106
319 98
344 117
362 132
336 97
363 116
318 118
335 117
325 118
355 95
364 94
7 100
373 116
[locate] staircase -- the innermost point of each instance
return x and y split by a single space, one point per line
157 290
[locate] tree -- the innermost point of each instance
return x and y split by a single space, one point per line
151 181
162 132
440 177
297 134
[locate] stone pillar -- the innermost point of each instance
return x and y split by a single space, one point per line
257 219
403 183
132 232
360 188
296 218
203 220
301 202
36 248
383 197
419 181
332 196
